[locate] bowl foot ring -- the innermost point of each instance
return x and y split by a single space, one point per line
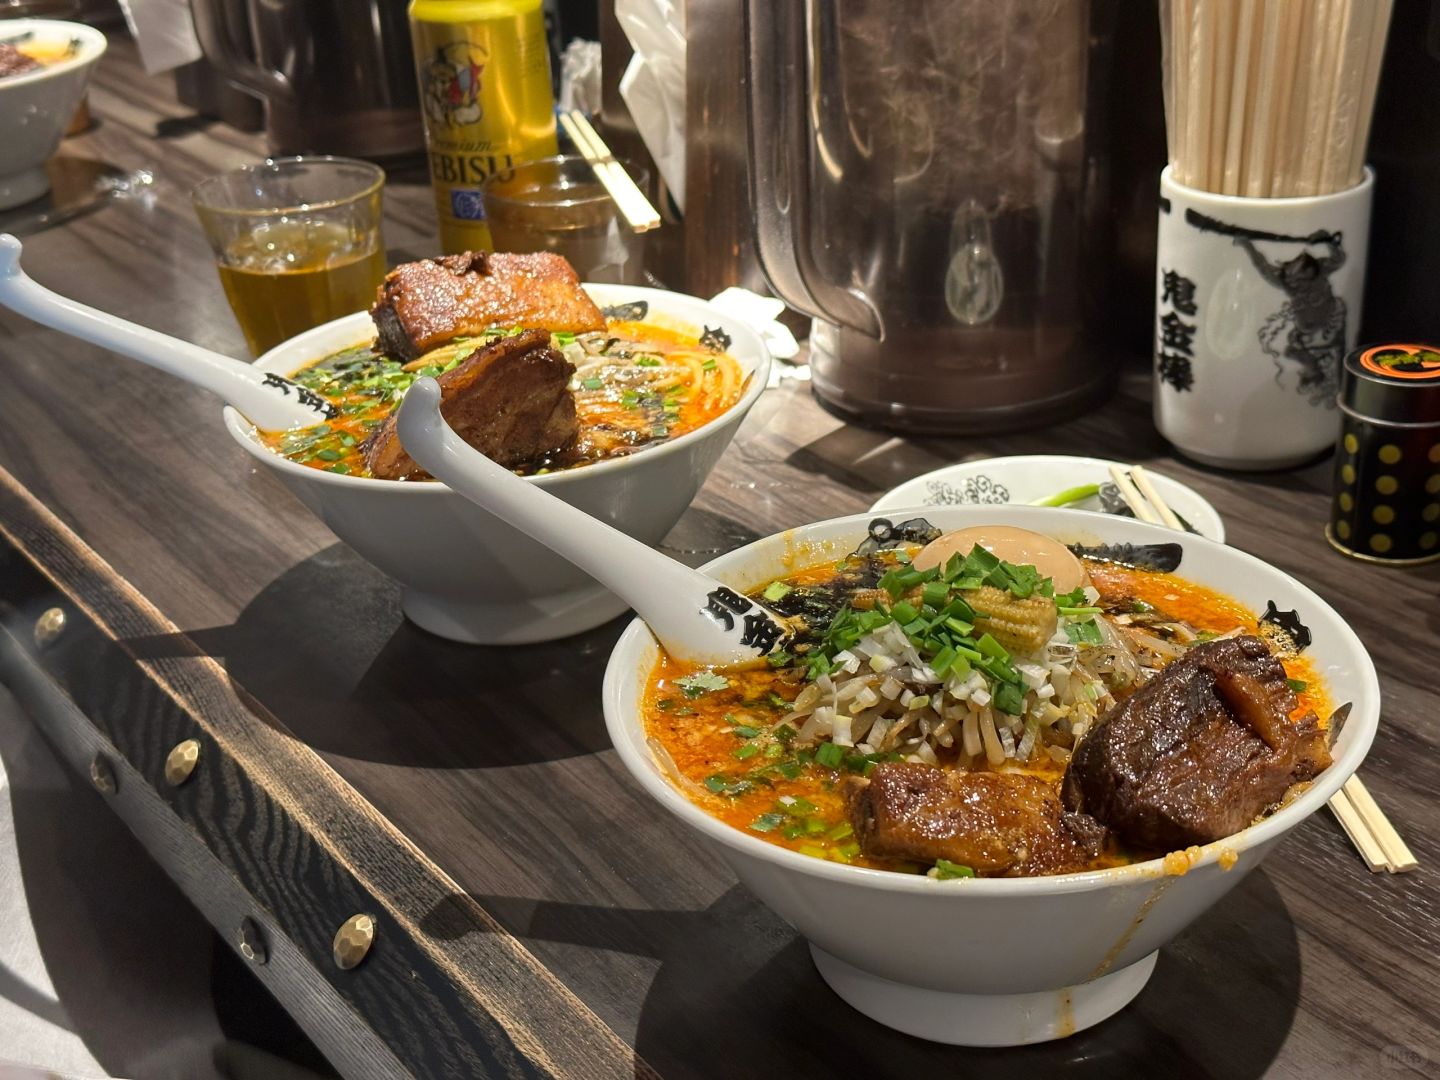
546 618
984 1019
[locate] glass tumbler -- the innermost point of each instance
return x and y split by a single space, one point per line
557 204
297 241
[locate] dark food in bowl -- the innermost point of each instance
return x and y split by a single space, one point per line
510 400
15 62
989 821
1199 751
426 303
963 717
528 392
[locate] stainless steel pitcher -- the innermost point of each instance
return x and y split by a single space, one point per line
337 76
926 186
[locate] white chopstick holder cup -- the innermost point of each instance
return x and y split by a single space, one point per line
1257 303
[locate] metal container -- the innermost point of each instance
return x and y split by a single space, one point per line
337 76
1386 506
926 185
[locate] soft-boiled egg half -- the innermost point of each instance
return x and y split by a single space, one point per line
1019 546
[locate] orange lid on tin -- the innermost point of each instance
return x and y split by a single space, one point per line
1393 384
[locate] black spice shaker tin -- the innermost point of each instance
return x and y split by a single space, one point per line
1386 506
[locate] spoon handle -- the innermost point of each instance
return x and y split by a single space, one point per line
695 617
269 400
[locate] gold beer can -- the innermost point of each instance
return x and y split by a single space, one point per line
484 74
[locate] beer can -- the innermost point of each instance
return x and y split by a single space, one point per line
484 73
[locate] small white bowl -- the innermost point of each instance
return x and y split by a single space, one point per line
37 107
1000 961
1026 477
465 574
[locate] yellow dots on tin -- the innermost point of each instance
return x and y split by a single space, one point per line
1389 453
1383 515
1346 502
1428 540
1347 473
1342 530
1380 542
1433 484
1386 485
1431 512
1352 444
1434 454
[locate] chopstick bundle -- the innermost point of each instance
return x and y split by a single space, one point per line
1270 98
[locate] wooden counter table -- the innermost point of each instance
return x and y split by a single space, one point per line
534 912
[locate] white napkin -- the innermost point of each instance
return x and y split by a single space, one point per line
164 33
758 312
653 86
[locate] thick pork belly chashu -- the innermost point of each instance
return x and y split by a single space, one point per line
1197 752
994 823
424 304
510 400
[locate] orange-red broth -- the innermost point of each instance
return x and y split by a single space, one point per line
701 738
691 382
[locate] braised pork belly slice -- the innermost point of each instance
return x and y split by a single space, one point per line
511 400
424 304
1198 752
994 823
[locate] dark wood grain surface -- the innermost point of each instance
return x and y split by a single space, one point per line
494 764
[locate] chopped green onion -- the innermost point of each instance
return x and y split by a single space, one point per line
814 826
988 646
946 870
768 822
592 383
1298 685
749 750
774 750
709 365
1009 698
647 361
935 594
812 850
745 731
1084 633
702 682
904 613
779 658
1071 612
1069 495
328 455
829 755
785 733
942 661
840 832
777 590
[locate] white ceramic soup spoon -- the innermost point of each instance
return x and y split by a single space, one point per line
694 616
270 401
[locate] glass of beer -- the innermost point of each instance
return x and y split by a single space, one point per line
556 204
297 240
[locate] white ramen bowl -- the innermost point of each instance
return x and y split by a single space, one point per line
468 576
1000 961
37 107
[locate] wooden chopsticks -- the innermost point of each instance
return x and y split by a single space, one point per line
634 207
1370 830
1363 821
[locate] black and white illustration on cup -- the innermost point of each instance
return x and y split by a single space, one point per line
1307 333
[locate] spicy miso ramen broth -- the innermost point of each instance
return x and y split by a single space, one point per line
637 384
975 669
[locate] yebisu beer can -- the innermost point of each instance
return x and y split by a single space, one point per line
484 73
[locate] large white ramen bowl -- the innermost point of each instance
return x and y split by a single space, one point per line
465 574
37 107
1000 961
